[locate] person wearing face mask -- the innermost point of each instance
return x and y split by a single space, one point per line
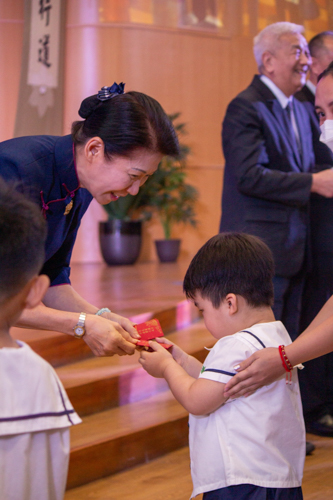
316 381
272 164
110 153
271 161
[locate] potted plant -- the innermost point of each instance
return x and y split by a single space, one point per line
120 236
165 194
168 195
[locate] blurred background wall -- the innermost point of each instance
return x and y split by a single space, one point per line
193 56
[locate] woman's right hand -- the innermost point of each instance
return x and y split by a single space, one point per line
262 368
106 338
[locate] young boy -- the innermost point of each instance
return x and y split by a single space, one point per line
35 413
247 448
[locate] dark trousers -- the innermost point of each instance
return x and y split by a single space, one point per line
316 380
287 301
251 492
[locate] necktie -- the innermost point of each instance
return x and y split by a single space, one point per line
293 127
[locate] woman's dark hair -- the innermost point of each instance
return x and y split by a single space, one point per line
232 263
326 72
126 122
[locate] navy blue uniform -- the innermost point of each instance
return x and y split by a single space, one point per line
44 170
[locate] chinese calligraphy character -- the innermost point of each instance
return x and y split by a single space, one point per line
44 51
45 8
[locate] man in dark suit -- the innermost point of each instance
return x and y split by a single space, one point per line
316 381
270 171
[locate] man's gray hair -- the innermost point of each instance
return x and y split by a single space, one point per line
269 37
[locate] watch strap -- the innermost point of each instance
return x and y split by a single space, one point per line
103 310
82 319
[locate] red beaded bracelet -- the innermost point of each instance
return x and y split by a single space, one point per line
286 364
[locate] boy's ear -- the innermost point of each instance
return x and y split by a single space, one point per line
39 285
232 303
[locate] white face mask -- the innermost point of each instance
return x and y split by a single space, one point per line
327 133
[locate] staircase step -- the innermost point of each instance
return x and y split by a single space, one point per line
167 477
97 384
116 439
60 349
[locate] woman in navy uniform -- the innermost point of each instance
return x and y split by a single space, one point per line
110 153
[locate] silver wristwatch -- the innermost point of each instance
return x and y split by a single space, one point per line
79 329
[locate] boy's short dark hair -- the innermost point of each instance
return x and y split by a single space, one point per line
22 240
232 263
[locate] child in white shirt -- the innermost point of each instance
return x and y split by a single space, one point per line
248 448
35 413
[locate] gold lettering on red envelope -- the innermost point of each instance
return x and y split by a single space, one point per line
150 330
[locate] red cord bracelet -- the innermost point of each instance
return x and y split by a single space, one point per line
286 364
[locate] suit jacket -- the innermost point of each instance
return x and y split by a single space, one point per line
305 95
321 209
267 182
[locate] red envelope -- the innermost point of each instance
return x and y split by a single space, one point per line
150 330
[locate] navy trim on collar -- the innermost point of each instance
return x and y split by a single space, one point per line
257 338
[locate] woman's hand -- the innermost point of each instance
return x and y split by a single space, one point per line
106 338
125 323
262 368
155 362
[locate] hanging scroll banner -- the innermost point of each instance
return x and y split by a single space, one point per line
40 106
44 43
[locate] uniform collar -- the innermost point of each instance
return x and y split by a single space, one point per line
65 164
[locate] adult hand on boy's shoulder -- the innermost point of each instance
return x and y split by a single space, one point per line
155 362
262 368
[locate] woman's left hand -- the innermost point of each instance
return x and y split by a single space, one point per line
125 323
261 368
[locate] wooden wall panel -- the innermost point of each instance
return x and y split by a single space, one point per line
11 36
196 74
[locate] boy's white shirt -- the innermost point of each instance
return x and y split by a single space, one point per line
257 440
32 396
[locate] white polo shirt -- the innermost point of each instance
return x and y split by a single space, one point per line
258 440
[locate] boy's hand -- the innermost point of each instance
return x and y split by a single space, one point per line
155 362
177 353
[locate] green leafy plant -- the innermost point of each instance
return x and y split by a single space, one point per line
166 193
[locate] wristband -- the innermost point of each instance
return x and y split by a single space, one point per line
286 364
103 310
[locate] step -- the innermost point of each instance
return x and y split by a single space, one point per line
167 477
116 439
97 384
60 349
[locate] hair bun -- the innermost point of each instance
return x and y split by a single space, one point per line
88 105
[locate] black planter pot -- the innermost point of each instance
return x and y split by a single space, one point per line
120 241
167 250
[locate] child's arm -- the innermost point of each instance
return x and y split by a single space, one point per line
191 365
197 396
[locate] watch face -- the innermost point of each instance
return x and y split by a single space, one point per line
79 330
